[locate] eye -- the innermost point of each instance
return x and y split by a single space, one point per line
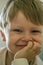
18 30
35 31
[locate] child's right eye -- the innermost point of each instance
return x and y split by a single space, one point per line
18 30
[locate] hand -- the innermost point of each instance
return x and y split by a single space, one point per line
30 51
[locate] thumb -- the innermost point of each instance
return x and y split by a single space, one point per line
30 44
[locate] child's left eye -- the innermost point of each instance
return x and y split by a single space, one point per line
35 31
17 30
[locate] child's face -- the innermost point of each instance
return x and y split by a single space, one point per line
22 31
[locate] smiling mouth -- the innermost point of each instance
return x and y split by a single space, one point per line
21 45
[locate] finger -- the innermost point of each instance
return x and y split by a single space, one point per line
34 54
35 51
30 45
36 46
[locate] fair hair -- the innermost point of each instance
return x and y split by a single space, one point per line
30 8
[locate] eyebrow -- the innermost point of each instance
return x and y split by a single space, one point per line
17 26
36 28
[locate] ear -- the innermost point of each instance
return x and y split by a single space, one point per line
3 35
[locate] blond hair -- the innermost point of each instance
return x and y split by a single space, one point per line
30 8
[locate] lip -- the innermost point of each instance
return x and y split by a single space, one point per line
22 46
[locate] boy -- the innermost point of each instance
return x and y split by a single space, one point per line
22 25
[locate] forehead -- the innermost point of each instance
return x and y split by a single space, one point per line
21 21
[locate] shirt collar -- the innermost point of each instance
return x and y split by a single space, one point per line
4 56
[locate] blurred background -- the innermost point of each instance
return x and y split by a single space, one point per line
2 44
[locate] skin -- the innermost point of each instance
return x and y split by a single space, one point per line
24 38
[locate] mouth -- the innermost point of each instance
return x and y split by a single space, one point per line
21 46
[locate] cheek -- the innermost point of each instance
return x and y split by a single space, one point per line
38 38
13 39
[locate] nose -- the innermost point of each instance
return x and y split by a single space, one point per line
27 37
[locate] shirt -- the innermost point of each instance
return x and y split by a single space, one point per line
21 61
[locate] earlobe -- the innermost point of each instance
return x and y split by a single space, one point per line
3 35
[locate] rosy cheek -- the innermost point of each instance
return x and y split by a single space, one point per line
14 38
38 38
